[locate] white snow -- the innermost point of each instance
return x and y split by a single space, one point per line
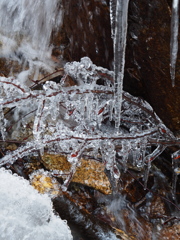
25 214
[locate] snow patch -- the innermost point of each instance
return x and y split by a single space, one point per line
25 214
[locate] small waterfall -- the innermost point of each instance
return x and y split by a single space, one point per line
26 28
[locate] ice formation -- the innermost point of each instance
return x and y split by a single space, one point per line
25 214
79 120
174 39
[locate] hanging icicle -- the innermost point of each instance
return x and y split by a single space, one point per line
174 39
113 4
119 14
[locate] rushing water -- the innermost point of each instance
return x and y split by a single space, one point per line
26 28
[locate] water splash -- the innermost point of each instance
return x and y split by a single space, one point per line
174 39
26 28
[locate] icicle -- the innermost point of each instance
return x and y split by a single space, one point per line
111 107
2 125
143 147
149 158
176 171
119 31
174 39
146 173
113 5
38 121
73 158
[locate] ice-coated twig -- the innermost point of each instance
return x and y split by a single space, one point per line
149 158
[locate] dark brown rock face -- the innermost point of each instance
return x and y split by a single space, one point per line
148 58
86 32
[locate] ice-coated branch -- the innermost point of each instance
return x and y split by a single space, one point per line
79 120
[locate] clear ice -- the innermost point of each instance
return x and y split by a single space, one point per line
79 120
119 16
87 119
174 39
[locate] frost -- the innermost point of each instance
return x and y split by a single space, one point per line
174 39
25 214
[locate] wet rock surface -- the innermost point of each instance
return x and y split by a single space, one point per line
172 232
148 59
89 172
85 32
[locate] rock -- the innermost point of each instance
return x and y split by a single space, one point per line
90 172
85 32
148 59
157 208
43 182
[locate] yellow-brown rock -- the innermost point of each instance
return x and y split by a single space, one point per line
90 172
43 182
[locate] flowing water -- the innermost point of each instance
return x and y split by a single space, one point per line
25 31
